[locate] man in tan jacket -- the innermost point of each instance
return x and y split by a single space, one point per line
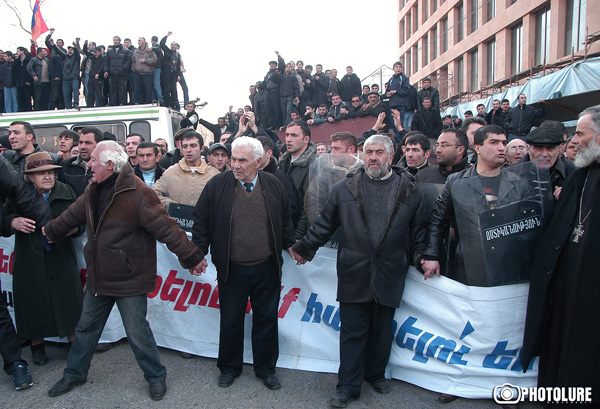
183 182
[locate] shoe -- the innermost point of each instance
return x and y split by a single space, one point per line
226 380
186 355
381 385
158 390
38 355
341 399
21 376
271 381
447 398
63 386
103 346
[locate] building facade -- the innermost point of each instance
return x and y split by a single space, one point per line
472 48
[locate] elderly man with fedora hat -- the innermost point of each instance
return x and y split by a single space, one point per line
47 290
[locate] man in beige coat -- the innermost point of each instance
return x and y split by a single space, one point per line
183 182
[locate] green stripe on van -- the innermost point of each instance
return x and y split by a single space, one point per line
37 118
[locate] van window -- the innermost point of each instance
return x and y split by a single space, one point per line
119 130
175 124
47 137
142 128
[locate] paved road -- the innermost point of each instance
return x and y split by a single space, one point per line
115 381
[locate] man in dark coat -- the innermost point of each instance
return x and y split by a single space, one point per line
117 65
170 72
124 219
428 92
381 215
451 151
519 119
75 171
427 120
349 86
12 185
247 214
560 326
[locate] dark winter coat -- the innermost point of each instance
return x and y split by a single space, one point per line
431 93
366 273
428 122
213 213
76 174
47 288
298 172
349 86
519 119
400 84
118 61
120 252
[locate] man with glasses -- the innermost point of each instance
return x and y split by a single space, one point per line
451 150
355 108
515 150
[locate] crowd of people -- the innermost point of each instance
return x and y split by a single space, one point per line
250 197
50 77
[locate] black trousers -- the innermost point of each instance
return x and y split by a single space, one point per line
56 95
24 96
95 92
261 284
9 345
168 83
365 343
273 110
41 96
118 89
144 84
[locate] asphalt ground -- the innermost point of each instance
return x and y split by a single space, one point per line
116 381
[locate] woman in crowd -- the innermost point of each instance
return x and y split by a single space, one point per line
46 285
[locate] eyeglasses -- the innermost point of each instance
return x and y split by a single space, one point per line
356 100
444 145
513 149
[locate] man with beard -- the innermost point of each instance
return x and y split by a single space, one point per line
381 216
560 326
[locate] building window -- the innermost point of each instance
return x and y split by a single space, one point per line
434 43
425 50
408 25
425 10
400 4
416 15
444 30
474 70
491 10
542 36
415 59
401 32
460 23
408 64
434 6
474 15
516 42
575 25
459 75
491 62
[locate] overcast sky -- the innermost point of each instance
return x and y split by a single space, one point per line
226 45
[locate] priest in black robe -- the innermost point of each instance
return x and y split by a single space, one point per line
562 325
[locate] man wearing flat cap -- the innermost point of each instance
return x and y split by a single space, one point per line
544 147
218 157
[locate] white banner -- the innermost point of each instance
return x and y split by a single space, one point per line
447 337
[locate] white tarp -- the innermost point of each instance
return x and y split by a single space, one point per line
447 337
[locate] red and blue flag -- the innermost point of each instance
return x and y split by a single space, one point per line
38 25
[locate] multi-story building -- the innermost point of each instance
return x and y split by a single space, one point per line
473 48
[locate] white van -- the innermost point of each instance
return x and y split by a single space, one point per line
150 121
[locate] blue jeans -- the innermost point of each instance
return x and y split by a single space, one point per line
184 88
157 89
10 99
96 310
70 90
285 104
408 117
86 78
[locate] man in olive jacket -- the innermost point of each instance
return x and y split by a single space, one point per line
381 216
124 218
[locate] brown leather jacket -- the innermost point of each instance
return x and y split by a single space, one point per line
121 252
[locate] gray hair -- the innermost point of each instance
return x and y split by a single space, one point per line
595 113
111 151
248 142
380 140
